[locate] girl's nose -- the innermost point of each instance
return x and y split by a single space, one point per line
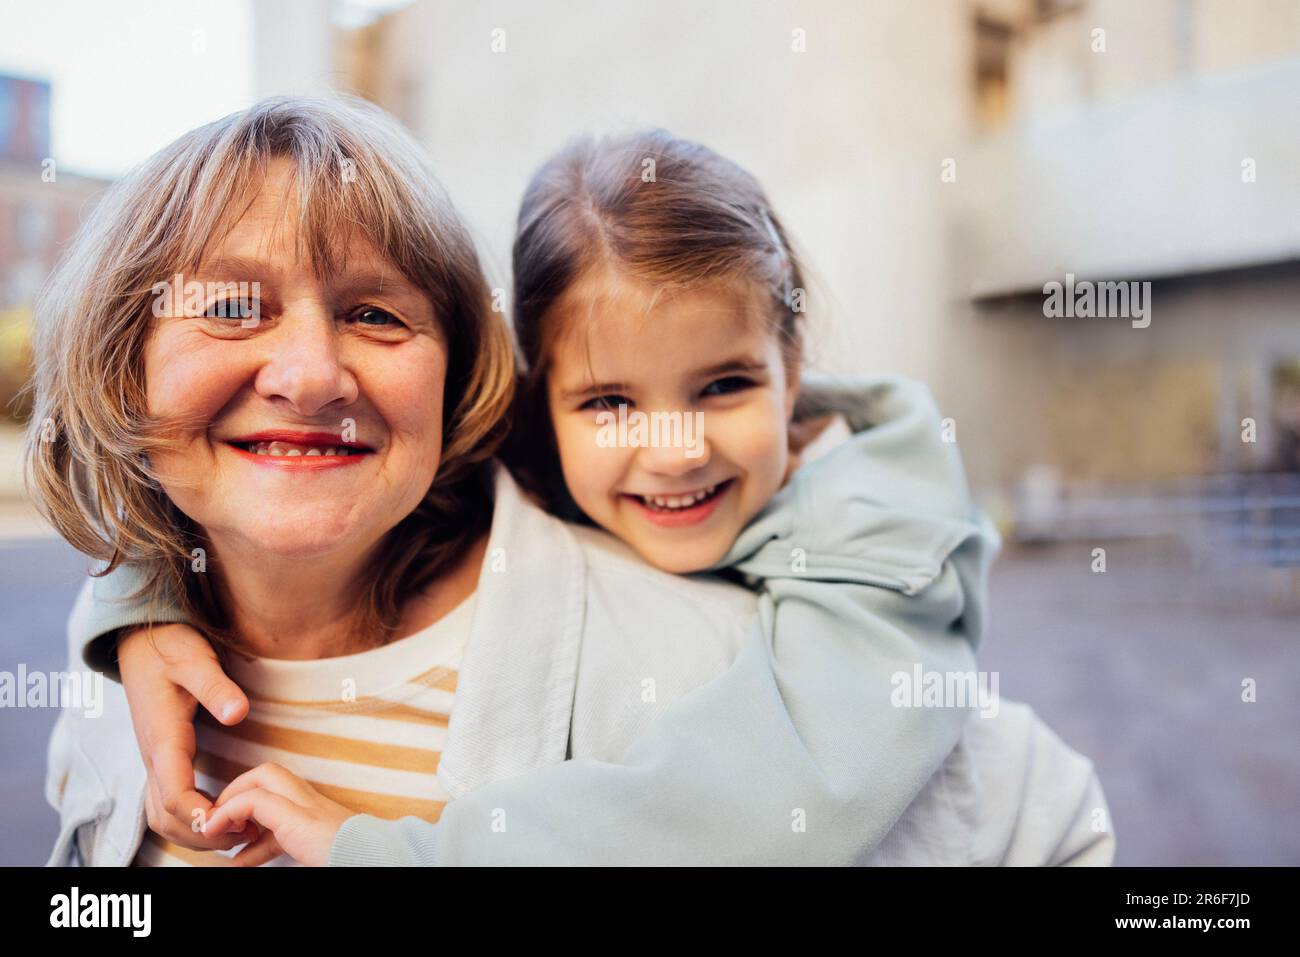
679 452
304 366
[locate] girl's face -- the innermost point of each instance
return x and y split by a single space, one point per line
315 426
702 444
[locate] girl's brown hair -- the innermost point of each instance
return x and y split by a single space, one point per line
90 435
663 210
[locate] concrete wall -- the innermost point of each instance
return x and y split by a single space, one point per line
847 137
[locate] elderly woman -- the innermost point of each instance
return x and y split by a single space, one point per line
302 468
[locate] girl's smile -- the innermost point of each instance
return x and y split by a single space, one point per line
676 511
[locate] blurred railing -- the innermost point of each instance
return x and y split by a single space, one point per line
1244 518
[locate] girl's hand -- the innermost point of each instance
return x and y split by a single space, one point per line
166 670
296 818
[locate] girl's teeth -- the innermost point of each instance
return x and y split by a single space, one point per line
313 451
678 501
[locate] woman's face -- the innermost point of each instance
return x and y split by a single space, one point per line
313 426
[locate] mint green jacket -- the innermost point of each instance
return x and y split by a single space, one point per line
772 734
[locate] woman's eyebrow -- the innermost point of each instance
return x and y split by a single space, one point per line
234 266
374 281
364 279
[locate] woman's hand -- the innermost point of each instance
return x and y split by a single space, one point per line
297 819
165 670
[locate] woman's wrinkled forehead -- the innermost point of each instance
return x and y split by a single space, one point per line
267 232
275 217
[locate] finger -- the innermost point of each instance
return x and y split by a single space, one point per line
171 764
250 779
270 777
173 780
184 828
185 659
269 810
202 677
265 848
179 808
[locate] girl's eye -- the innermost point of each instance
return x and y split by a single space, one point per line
732 383
374 316
605 403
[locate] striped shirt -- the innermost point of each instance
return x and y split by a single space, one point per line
366 730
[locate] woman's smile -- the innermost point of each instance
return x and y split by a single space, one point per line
298 451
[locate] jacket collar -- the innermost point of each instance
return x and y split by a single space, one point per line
515 689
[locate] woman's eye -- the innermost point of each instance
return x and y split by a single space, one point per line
240 309
732 383
603 403
374 316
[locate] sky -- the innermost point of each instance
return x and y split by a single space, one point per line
129 76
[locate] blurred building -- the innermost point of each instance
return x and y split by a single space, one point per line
1168 153
41 207
1100 138
1137 142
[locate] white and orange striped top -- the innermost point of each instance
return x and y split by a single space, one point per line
366 730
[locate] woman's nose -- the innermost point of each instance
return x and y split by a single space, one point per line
304 366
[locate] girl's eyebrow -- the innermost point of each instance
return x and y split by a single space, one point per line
750 364
597 388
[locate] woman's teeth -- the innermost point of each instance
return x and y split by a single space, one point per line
678 501
293 448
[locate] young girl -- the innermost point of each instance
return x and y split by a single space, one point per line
658 306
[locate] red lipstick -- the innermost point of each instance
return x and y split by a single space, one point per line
330 442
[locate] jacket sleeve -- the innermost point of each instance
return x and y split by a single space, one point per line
1063 818
795 755
106 605
72 786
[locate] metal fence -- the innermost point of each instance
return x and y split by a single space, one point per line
1242 518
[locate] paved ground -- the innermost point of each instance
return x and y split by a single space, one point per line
38 582
1140 668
